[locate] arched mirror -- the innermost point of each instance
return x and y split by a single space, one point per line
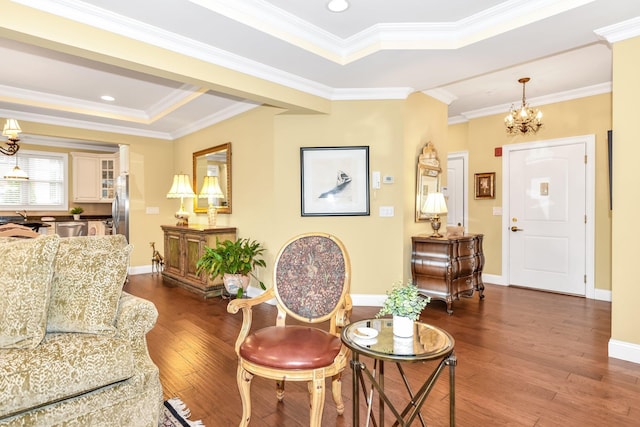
427 178
214 161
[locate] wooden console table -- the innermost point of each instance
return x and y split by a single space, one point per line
183 247
445 268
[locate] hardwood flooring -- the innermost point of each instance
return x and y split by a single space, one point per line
525 358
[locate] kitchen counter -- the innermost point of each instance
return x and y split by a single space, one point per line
36 223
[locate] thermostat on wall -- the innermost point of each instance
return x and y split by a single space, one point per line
387 179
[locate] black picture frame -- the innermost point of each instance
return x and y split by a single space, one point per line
334 181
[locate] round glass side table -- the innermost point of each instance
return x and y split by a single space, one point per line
374 338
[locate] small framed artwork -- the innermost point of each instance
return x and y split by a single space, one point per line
334 181
485 185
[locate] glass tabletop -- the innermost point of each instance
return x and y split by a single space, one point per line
374 337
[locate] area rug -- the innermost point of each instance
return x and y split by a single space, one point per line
176 414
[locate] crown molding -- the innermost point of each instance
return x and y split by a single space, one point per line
362 94
227 113
83 124
541 100
32 98
441 95
118 24
46 100
51 141
620 31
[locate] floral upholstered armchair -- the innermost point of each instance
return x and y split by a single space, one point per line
311 284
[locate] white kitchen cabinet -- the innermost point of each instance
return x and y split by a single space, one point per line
94 177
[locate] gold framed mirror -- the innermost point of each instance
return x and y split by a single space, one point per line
214 161
427 178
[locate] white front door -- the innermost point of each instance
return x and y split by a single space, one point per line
547 216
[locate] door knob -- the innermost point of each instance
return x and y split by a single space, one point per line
514 229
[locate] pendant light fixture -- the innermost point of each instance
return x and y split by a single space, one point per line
16 173
523 120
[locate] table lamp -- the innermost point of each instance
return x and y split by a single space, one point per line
181 188
435 205
211 190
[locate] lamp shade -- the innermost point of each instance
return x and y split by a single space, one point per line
11 129
211 188
181 187
435 204
16 174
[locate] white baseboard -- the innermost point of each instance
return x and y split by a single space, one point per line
602 295
372 300
140 269
624 351
368 300
493 279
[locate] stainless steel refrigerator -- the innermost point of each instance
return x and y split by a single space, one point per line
120 206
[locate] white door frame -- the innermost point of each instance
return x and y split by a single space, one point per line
465 176
590 141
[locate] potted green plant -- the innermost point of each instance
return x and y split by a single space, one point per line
234 262
76 211
405 304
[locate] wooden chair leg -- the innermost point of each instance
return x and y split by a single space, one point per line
317 402
243 377
280 390
336 390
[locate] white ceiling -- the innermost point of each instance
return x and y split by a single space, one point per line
468 53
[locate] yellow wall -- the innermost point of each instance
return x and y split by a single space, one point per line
590 115
266 143
150 169
625 316
424 119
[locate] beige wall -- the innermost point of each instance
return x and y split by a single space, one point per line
151 168
625 316
425 120
590 115
266 178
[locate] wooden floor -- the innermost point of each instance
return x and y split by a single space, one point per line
525 358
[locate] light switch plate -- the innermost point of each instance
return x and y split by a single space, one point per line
497 210
152 210
386 211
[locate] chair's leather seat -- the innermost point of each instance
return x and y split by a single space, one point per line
291 347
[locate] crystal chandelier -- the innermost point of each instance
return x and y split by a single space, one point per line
524 119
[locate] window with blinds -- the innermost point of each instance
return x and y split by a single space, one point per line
46 188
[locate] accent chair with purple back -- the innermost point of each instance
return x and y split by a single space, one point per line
311 280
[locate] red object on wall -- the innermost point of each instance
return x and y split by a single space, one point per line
497 151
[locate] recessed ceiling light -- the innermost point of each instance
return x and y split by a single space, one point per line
338 5
107 98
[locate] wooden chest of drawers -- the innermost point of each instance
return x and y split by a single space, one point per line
445 268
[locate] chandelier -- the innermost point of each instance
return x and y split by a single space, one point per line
11 130
524 119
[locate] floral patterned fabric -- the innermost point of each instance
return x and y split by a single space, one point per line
310 276
101 377
25 284
76 363
134 402
89 273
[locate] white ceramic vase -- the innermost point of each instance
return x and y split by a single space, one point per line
76 217
402 326
232 282
403 345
